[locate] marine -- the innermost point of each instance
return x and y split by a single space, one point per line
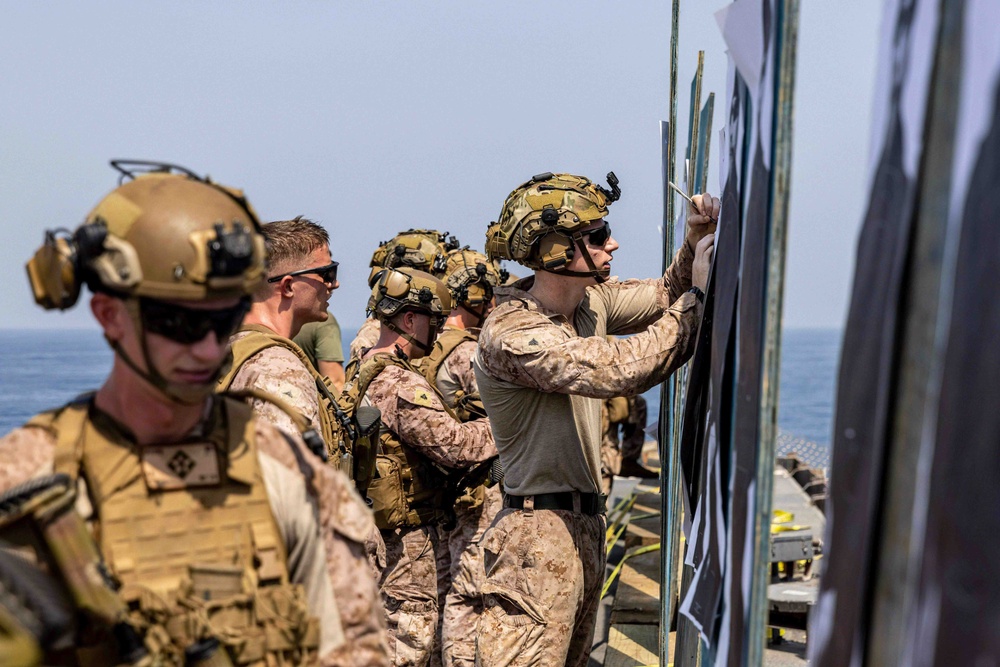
212 541
471 279
620 453
544 366
426 453
301 276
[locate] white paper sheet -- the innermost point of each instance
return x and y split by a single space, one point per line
980 77
741 24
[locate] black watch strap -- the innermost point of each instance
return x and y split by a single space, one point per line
698 294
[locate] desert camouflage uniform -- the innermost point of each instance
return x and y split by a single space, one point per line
29 452
542 378
414 414
354 541
612 413
367 337
279 372
460 560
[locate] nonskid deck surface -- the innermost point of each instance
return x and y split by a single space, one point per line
628 626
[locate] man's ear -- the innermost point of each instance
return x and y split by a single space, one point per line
111 314
408 321
284 287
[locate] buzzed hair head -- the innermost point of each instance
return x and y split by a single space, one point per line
291 241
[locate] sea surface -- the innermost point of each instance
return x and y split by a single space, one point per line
41 369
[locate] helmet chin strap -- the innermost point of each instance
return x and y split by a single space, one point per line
480 314
182 394
599 275
425 346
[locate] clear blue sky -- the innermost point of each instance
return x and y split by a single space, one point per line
372 117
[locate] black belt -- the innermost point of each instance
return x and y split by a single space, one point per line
590 503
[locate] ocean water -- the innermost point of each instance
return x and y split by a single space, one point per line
41 369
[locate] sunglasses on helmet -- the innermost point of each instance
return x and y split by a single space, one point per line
190 325
598 237
327 273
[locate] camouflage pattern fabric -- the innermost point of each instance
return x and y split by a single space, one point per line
544 571
355 554
354 544
413 412
456 372
460 579
543 378
367 337
409 593
459 558
281 373
27 453
611 457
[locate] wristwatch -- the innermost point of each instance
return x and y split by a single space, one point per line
698 294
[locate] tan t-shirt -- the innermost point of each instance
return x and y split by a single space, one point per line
542 378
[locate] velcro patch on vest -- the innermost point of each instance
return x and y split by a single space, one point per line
169 467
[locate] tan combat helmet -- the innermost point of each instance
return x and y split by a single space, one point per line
406 289
164 235
422 249
541 220
471 277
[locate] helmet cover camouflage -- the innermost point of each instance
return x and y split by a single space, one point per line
422 249
548 203
471 277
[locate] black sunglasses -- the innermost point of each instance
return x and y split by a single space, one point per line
598 237
190 325
328 273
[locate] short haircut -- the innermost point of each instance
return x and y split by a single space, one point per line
291 241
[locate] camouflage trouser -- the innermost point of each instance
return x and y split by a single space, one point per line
460 580
409 593
544 570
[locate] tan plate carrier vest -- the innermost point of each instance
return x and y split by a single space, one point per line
408 489
187 529
467 406
263 338
355 457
